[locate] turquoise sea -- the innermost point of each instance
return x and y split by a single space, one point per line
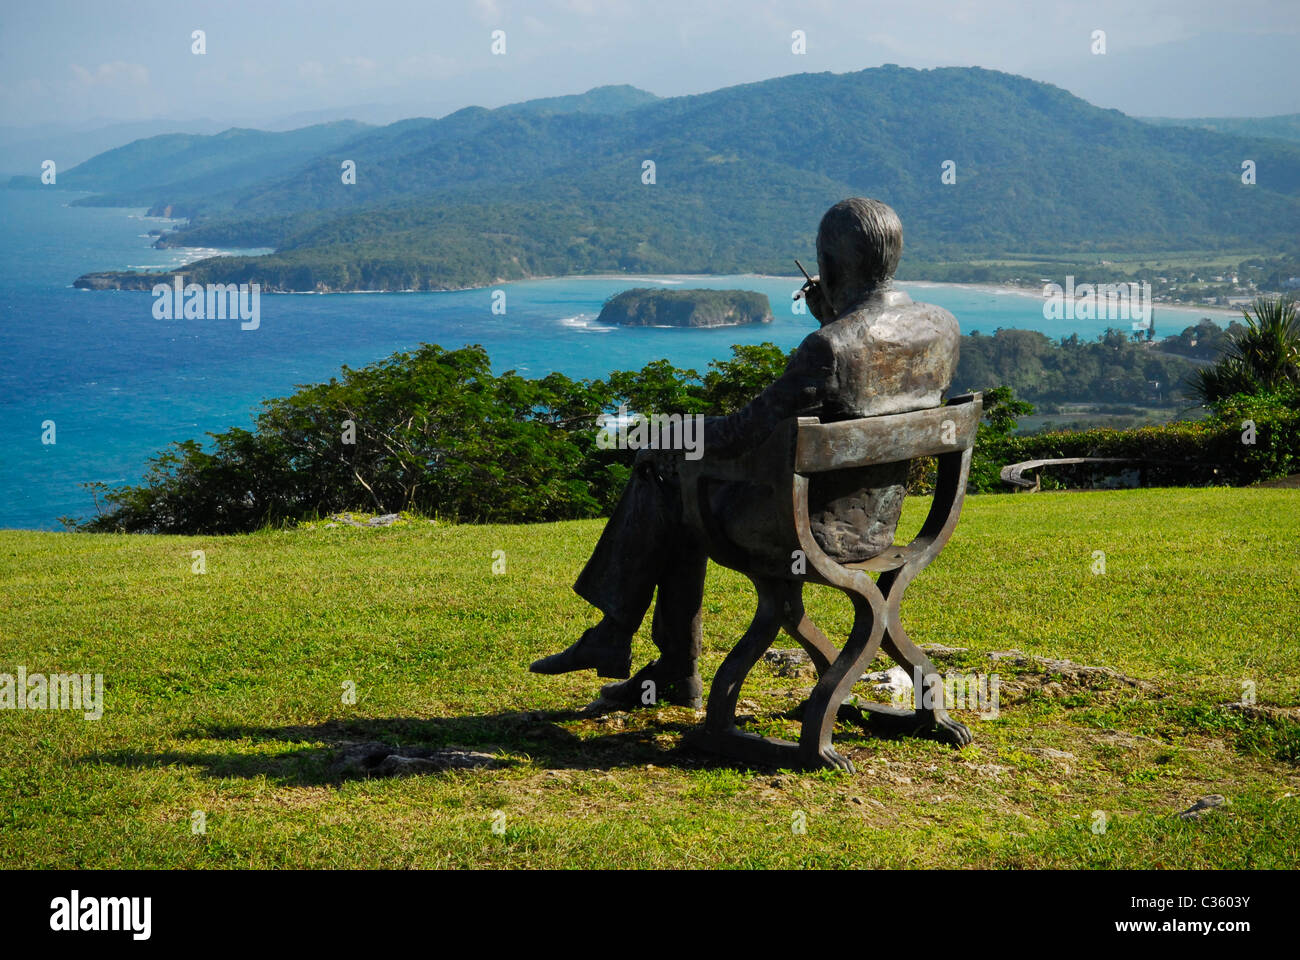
120 385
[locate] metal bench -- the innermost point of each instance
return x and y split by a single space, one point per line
797 451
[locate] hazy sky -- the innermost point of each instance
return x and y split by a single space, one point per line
64 62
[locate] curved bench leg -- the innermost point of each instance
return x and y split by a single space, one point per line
815 747
720 732
932 714
799 625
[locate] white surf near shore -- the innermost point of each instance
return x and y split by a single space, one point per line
586 323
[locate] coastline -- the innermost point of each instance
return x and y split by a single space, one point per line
144 279
1002 289
999 289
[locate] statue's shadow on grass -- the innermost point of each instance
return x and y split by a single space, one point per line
336 751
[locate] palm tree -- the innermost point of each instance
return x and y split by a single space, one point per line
1265 357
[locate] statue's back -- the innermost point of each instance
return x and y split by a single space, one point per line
891 356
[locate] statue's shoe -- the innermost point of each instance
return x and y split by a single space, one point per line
585 654
685 691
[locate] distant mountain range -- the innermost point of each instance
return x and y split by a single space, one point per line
1284 127
24 149
152 171
740 177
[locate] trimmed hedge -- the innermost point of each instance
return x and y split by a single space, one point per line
1214 451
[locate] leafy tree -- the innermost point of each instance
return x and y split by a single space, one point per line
1263 357
436 432
432 431
730 384
1002 411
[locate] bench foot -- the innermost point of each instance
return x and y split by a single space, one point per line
879 718
736 744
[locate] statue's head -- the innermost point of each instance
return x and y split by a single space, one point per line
858 246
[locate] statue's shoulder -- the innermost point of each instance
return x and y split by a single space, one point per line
917 313
818 349
894 316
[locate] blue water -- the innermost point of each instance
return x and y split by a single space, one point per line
120 385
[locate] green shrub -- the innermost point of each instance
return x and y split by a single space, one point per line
434 432
437 433
1216 450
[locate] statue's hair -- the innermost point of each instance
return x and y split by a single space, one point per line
859 243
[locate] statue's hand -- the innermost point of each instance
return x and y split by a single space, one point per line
816 300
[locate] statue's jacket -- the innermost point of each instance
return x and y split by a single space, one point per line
885 355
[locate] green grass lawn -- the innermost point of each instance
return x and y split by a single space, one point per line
224 694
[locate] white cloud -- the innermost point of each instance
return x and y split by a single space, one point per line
489 11
362 65
117 73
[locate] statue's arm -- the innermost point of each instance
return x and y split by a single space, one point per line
798 392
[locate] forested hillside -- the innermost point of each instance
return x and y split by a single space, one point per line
740 178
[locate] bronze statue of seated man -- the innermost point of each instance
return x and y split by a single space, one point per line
876 353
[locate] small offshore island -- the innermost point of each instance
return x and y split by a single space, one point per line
645 307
